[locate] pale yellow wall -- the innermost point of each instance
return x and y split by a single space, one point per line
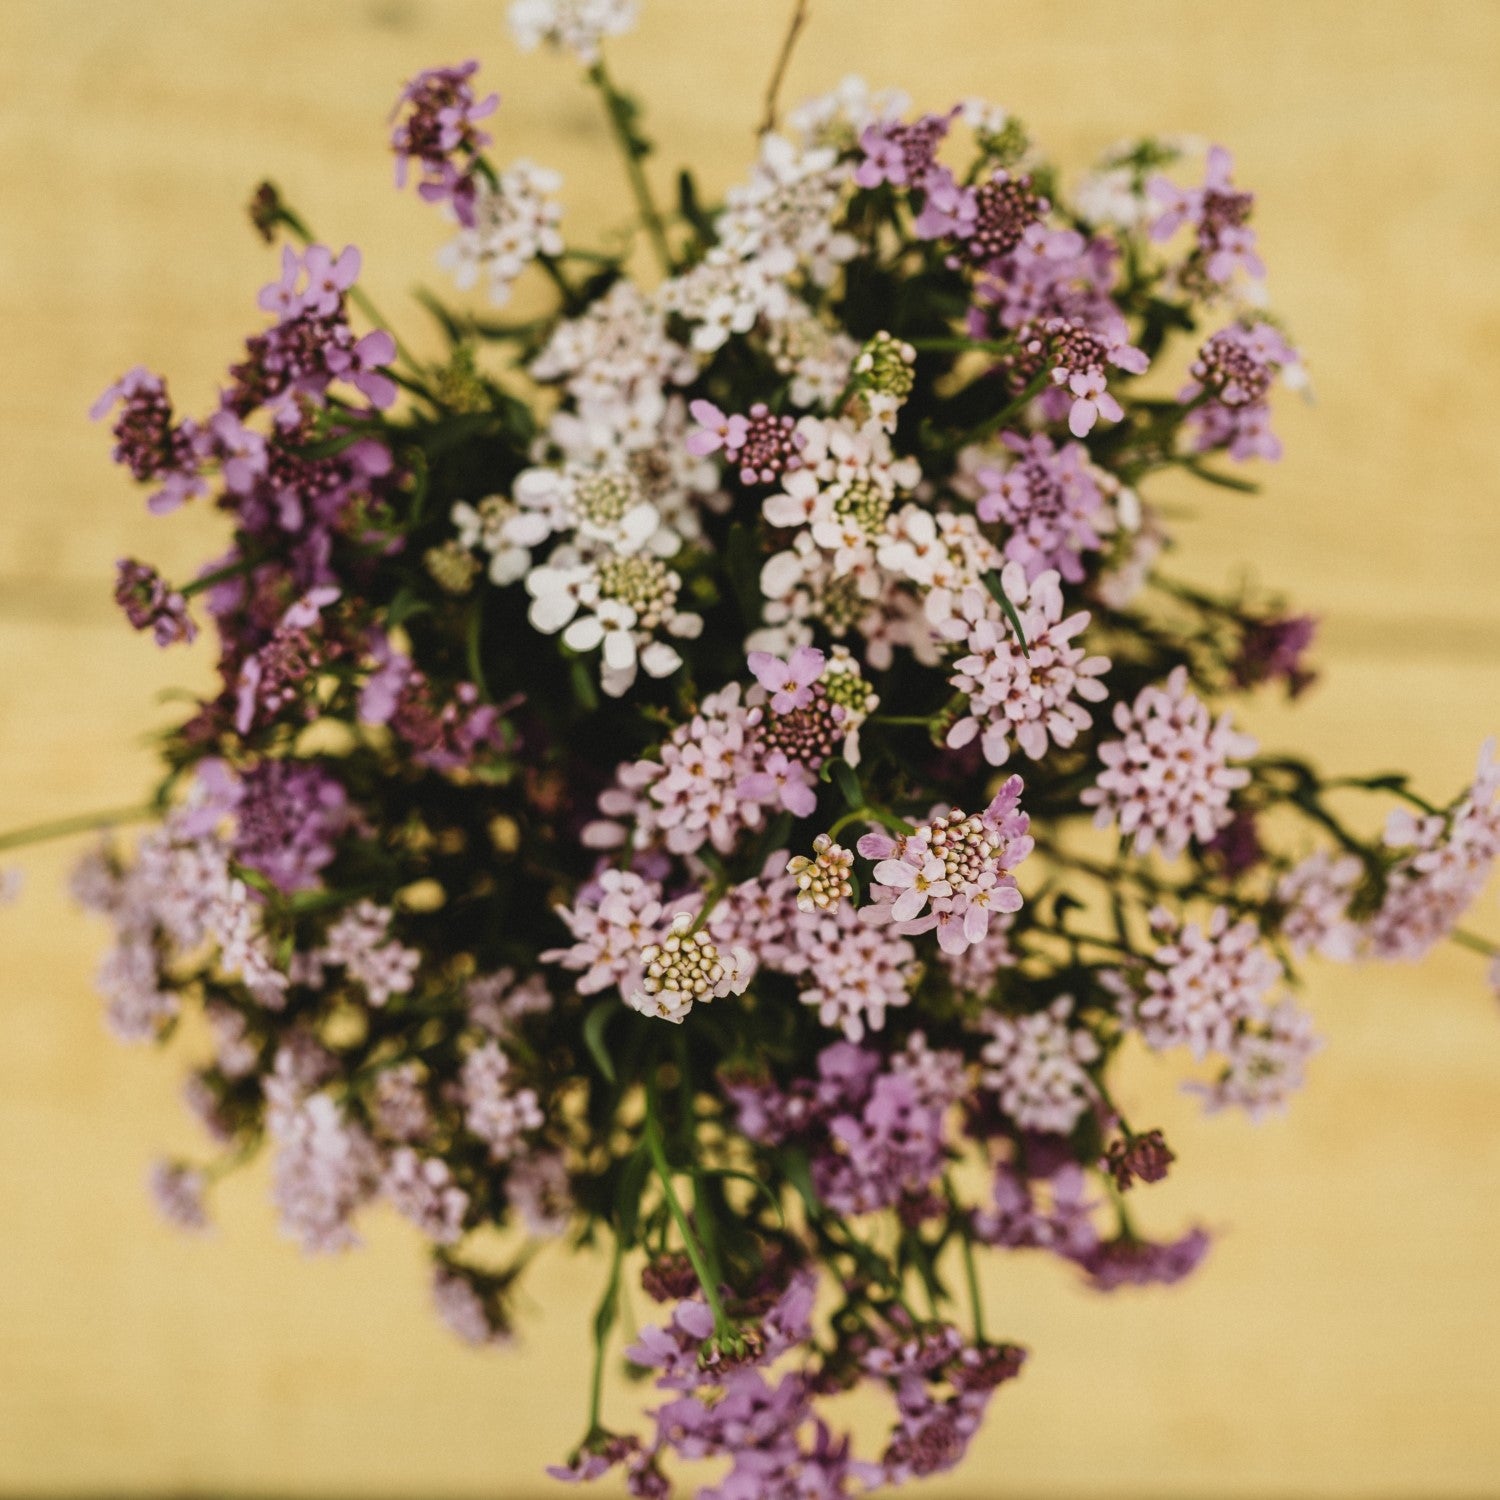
1345 1337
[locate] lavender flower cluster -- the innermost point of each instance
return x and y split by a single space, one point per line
734 807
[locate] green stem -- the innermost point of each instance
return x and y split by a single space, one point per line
868 814
1473 941
566 290
604 1321
706 1279
219 575
61 828
971 1275
617 107
992 424
971 1271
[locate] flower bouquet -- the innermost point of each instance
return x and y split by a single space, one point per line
717 773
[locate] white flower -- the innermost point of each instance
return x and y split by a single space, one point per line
514 222
577 25
684 967
616 604
602 507
785 214
483 526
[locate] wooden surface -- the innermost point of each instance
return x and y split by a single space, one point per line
1344 1339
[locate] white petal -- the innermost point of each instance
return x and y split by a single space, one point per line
584 633
619 650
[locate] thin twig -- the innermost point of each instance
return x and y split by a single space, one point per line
788 44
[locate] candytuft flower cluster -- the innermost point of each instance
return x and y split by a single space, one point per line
716 768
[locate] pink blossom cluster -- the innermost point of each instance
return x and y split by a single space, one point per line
1168 779
952 872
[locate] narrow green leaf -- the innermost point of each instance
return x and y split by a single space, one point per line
475 644
594 1025
628 1202
407 604
754 1182
848 784
993 583
1224 481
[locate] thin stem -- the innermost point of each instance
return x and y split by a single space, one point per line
788 45
1473 941
706 1278
971 1271
604 1321
617 107
993 423
232 570
971 1275
61 828
566 289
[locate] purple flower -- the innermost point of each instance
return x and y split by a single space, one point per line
1218 215
762 444
899 153
1138 1158
438 130
1202 985
1051 500
1078 358
311 345
1274 648
148 443
177 1191
952 872
789 682
289 816
1231 381
149 605
998 214
1026 695
1127 1261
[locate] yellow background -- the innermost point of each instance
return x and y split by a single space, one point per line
1344 1338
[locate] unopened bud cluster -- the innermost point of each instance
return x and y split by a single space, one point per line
823 882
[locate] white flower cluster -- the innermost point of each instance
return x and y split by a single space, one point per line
514 222
577 26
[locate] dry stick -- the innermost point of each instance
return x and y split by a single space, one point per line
788 43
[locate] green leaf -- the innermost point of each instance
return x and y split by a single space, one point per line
742 561
584 690
407 604
997 590
628 1200
475 644
594 1025
417 459
848 784
754 1182
1224 481
795 1169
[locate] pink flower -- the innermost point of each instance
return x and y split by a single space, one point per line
789 682
1168 779
1446 860
1201 985
1022 695
950 873
788 782
1078 357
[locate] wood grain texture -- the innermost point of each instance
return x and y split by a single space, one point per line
1344 1339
